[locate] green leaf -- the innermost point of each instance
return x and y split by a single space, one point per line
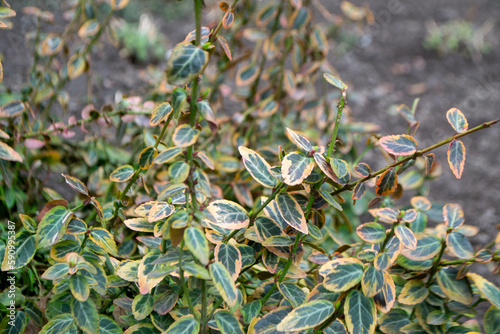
457 120
142 306
427 247
52 226
333 80
227 323
143 328
292 293
302 143
230 257
459 245
257 167
104 239
399 145
119 4
359 191
295 168
492 320
79 287
185 64
76 184
384 300
251 310
146 157
373 233
122 173
165 302
139 224
372 281
108 326
85 315
386 183
267 324
28 223
224 283
160 113
341 274
56 271
185 136
59 324
453 215
19 326
330 199
228 215
34 313
406 236
306 316
393 321
76 226
185 325
456 157
8 153
178 172
413 292
325 167
197 244
360 313
278 241
24 250
291 212
168 155
339 167
12 109
337 327
159 211
487 289
76 66
382 261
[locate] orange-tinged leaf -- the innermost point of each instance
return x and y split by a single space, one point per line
325 167
386 183
399 145
228 19
420 203
362 169
225 46
456 157
76 184
119 4
246 75
224 6
457 120
76 66
160 113
8 153
51 45
89 28
429 162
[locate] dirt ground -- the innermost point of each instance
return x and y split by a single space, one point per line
390 67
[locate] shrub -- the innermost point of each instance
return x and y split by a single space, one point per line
257 221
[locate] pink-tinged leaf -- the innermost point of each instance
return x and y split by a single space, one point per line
386 215
429 161
325 167
421 203
8 153
362 169
386 183
302 143
456 157
453 215
228 19
399 145
457 120
409 216
34 143
296 168
76 184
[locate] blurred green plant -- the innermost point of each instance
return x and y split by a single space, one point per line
459 36
142 42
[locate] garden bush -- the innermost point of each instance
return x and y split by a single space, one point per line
233 196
